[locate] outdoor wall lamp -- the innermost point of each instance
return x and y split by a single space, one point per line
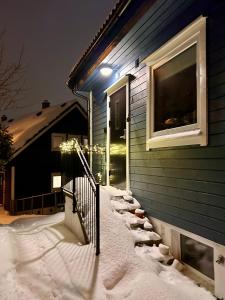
106 70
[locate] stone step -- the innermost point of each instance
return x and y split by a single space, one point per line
131 220
120 204
147 242
142 236
154 253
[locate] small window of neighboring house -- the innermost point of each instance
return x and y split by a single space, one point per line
56 181
57 139
176 110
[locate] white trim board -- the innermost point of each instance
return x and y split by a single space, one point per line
122 82
171 235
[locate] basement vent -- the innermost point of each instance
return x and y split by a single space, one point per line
197 255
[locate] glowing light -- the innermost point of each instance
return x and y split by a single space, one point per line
99 176
56 181
72 145
68 146
106 71
117 149
98 149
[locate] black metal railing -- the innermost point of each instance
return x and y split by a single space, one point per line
84 192
41 204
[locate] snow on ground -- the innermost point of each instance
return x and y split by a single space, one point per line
42 259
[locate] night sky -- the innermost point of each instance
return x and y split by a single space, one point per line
54 34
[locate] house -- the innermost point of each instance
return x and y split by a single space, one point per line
155 73
33 175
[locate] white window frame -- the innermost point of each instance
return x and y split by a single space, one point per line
53 135
194 134
120 83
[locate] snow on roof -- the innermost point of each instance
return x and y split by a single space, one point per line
26 129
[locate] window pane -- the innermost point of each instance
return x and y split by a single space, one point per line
197 255
56 181
175 91
57 139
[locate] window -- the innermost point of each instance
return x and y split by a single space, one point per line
56 181
57 139
197 255
176 110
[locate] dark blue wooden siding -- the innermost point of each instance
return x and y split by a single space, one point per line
184 186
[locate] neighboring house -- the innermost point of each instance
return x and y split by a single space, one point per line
161 116
35 167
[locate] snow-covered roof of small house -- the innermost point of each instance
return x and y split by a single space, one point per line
29 127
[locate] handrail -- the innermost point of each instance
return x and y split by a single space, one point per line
40 195
85 196
30 203
71 195
84 162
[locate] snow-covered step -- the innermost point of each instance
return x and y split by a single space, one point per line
118 203
141 236
163 249
139 213
148 226
155 253
132 221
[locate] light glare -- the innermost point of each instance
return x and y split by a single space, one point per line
106 71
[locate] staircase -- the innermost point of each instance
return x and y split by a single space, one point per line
147 242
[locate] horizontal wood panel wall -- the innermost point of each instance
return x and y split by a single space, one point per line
184 186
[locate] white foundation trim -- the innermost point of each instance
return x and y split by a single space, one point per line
171 236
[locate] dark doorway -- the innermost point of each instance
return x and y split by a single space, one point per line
117 148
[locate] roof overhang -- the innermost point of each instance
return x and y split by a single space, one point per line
121 20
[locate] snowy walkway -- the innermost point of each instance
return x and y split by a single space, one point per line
41 259
5 218
44 260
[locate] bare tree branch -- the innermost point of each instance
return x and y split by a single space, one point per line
11 78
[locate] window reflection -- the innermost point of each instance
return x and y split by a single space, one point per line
175 91
197 255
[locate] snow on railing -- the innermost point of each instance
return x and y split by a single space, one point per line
84 192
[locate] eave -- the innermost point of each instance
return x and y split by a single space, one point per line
116 27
